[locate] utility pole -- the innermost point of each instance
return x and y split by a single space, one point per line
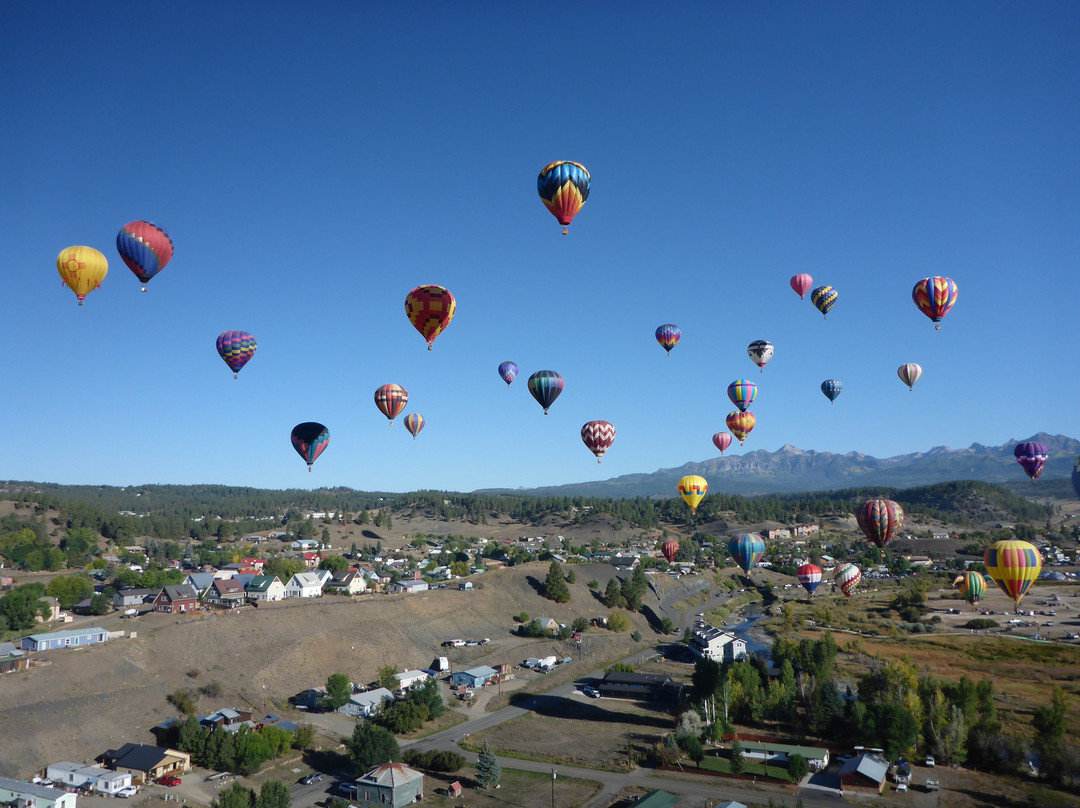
552 788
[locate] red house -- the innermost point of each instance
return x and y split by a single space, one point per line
176 599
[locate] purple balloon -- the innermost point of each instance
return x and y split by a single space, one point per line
1031 456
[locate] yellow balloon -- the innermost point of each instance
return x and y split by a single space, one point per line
693 489
83 269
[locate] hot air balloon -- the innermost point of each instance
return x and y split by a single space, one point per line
669 549
909 373
740 424
145 248
831 388
972 586
430 309
760 352
563 187
722 440
391 400
824 298
934 297
1014 565
668 336
742 393
1076 476
801 283
809 576
236 348
747 549
847 577
545 386
310 439
508 371
1032 456
414 422
598 437
82 269
693 490
880 520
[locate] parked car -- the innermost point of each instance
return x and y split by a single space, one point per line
930 761
127 791
314 777
591 692
169 780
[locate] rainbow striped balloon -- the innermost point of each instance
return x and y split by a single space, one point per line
236 348
1014 565
934 297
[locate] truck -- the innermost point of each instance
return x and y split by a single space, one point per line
932 785
540 662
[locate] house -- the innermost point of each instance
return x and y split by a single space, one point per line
816 756
54 610
130 596
227 719
70 638
12 658
474 677
199 581
867 770
267 588
409 679
391 785
651 686
310 699
549 624
311 559
305 544
25 795
145 763
225 594
623 562
409 586
709 642
74 775
176 599
366 704
304 585
776 533
465 586
657 799
347 582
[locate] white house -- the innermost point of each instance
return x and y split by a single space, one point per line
22 794
304 585
365 705
305 544
73 775
267 588
410 679
709 642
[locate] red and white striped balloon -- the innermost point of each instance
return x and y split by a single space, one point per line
598 437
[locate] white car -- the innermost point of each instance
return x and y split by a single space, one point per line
591 692
127 791
930 761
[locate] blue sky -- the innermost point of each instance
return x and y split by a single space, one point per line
313 162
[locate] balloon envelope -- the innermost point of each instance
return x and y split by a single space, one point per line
82 269
563 187
310 439
669 549
801 283
972 586
598 437
145 248
508 371
880 520
832 388
809 576
742 393
740 424
847 577
668 335
546 386
824 298
1014 566
693 489
414 422
909 373
722 440
430 309
934 297
391 400
1031 456
747 549
236 348
760 352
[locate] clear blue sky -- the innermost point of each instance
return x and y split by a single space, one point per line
313 162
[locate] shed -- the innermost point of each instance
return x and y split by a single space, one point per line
454 789
865 771
473 677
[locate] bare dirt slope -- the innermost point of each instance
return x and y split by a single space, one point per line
92 699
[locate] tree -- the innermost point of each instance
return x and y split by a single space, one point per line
192 739
667 626
22 604
798 767
618 622
69 589
100 604
488 771
338 690
274 794
372 745
235 796
304 736
386 677
736 761
1049 723
334 563
694 749
555 587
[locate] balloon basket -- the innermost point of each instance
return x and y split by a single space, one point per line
144 288
429 346
565 231
236 375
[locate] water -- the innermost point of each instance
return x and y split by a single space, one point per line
742 630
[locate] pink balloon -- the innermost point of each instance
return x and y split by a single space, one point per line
722 440
801 283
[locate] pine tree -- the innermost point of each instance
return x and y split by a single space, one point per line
555 587
488 770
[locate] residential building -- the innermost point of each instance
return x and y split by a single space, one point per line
131 596
409 586
347 582
650 686
199 581
473 677
866 771
267 588
225 593
816 756
709 642
75 775
69 638
657 799
409 679
12 658
145 763
624 563
54 610
31 795
177 599
391 785
366 704
304 585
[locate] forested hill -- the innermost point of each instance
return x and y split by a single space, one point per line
199 511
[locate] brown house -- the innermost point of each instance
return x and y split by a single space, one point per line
176 599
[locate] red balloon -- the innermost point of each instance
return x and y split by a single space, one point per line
669 549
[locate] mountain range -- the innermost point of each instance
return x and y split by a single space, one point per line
793 470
